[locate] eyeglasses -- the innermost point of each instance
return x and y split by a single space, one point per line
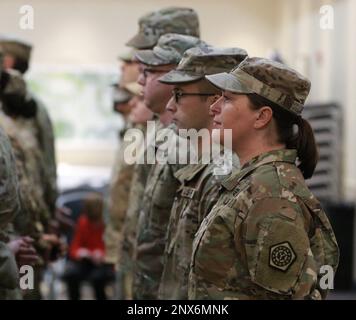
146 71
177 94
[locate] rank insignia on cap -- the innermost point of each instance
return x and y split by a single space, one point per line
281 256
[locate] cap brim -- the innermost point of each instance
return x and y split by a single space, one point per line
148 57
227 82
134 88
177 76
126 57
140 41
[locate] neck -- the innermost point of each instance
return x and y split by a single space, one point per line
252 150
202 143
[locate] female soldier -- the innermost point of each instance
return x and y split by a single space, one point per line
267 237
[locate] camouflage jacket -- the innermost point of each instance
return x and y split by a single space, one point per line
266 238
158 198
9 208
197 194
34 211
117 203
139 179
45 139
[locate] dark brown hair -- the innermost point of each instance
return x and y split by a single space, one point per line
303 140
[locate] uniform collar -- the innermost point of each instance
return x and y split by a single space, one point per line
188 172
283 155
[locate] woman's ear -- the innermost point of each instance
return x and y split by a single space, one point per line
263 117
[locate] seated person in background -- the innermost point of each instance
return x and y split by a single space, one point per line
86 251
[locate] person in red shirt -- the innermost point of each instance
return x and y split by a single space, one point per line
87 250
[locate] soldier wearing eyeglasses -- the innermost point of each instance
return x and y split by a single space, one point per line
198 189
161 183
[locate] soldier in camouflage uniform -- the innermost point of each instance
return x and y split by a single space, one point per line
139 115
34 215
151 27
125 100
10 205
198 185
161 183
116 206
267 237
17 55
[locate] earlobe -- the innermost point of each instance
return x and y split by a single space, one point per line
264 116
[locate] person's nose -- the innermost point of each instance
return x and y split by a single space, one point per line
141 79
215 108
171 105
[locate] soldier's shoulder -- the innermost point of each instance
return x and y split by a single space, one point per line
278 180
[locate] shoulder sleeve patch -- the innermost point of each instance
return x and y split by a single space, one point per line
276 249
281 256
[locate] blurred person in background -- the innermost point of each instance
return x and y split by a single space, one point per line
27 121
16 119
17 55
117 201
139 115
13 252
87 252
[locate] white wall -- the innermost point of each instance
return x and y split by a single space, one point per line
94 32
327 57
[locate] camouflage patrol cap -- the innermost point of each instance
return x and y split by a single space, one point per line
198 62
167 20
169 49
16 47
269 79
120 94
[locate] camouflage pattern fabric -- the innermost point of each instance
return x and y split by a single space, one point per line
158 198
197 194
117 203
169 49
200 61
128 248
167 20
9 208
266 238
45 137
269 79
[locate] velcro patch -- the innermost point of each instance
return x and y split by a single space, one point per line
188 192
